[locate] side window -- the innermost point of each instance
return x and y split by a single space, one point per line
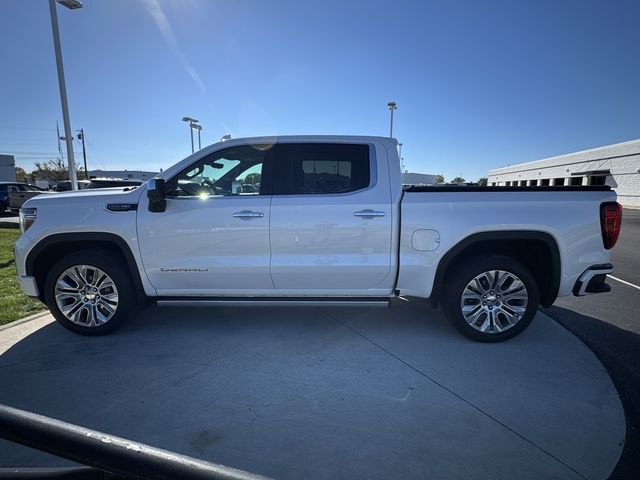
321 168
230 172
12 188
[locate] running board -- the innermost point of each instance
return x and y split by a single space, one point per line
274 301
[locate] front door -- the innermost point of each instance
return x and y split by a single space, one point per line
213 238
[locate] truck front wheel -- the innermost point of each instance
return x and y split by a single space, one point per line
89 292
490 298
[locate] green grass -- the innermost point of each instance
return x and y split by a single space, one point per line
14 304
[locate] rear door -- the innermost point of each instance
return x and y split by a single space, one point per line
331 220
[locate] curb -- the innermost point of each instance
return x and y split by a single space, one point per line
15 323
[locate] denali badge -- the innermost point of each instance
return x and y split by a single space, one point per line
183 270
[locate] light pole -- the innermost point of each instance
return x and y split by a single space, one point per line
199 129
192 122
72 5
392 107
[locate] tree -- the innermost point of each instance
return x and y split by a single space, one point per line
22 176
54 170
439 178
482 181
252 178
458 180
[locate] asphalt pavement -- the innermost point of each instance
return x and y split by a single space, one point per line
610 325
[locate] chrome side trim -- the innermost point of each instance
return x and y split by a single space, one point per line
273 303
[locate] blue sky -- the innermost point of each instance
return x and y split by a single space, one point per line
478 84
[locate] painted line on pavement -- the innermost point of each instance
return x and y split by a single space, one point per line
623 281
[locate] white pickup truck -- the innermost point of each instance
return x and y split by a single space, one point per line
313 220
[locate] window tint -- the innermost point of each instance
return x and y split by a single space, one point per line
317 168
229 172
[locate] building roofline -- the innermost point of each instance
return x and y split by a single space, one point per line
631 147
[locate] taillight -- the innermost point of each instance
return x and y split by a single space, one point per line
610 223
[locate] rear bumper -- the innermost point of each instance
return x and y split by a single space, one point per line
28 285
593 280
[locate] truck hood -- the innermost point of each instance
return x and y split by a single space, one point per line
114 194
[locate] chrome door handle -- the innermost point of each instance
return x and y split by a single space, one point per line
369 213
248 214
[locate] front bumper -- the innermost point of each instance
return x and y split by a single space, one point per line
28 285
593 280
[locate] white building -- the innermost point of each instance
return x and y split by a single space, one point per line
7 168
409 178
616 165
124 174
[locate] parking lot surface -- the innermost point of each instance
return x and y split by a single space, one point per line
610 325
325 393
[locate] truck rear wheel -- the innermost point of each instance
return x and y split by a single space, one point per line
490 298
90 293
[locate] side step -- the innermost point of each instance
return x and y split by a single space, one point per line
274 301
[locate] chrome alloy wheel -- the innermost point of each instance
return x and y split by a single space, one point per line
86 295
494 301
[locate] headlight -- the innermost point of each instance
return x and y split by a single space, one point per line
27 217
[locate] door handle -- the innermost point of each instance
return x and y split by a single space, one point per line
248 214
369 213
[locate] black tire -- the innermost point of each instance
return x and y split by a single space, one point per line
466 270
111 264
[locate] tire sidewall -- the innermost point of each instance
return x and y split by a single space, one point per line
110 264
473 267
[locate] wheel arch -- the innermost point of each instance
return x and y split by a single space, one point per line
53 247
534 249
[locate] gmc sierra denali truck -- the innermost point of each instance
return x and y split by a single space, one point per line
313 220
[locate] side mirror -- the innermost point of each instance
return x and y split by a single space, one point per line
155 194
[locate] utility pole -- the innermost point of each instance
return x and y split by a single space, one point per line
84 154
58 138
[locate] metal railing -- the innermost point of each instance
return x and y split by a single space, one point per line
106 456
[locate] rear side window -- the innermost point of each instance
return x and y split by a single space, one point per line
321 168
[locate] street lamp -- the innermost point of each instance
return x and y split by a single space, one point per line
392 107
72 5
199 129
192 122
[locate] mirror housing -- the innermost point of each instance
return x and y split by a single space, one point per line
155 194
